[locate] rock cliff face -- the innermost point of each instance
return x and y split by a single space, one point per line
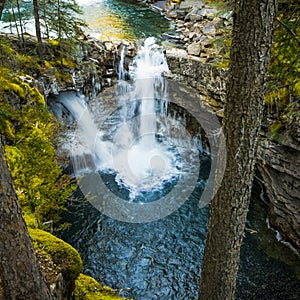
94 69
279 167
278 164
205 78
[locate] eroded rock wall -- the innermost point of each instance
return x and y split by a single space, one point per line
278 164
205 78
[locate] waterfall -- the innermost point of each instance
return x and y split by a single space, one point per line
141 158
89 150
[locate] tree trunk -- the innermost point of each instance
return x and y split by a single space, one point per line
21 24
2 3
20 272
38 28
250 56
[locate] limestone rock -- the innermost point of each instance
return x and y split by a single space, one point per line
207 12
188 4
194 48
209 28
195 17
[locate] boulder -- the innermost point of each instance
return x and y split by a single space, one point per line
175 13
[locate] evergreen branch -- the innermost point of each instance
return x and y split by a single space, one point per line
289 30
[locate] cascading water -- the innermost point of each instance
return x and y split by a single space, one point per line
138 154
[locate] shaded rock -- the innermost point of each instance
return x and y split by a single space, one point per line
279 167
227 15
205 78
218 22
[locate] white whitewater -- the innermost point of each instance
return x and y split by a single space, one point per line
141 161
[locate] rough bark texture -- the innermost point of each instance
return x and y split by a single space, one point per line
250 52
20 272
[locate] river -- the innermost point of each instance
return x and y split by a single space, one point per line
123 19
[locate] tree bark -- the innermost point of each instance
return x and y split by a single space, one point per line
2 3
20 272
250 56
38 28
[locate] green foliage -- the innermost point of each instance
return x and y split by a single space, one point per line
58 17
285 64
284 73
30 132
30 129
88 288
25 10
62 254
61 17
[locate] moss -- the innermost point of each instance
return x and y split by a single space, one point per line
54 43
61 253
68 62
87 288
30 220
48 64
63 78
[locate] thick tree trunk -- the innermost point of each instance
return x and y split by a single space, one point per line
20 272
250 55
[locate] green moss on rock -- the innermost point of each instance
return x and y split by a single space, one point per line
87 288
61 253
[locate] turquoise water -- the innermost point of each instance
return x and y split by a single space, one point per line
120 19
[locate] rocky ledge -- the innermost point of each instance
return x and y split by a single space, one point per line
202 30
